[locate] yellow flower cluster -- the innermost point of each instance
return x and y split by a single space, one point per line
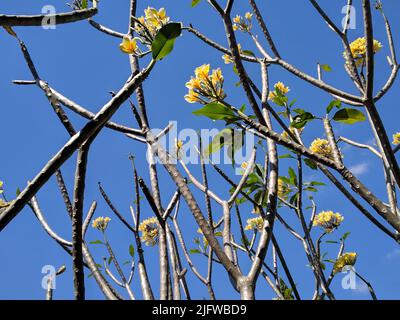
396 138
146 28
283 189
255 224
358 49
321 147
228 58
149 229
243 24
328 220
152 21
205 87
279 90
101 223
346 259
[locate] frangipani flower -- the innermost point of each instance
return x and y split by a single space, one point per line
101 223
328 220
205 87
396 138
322 148
283 189
243 24
358 49
346 259
279 90
147 27
129 46
255 224
150 231
228 58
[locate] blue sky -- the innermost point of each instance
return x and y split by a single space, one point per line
85 65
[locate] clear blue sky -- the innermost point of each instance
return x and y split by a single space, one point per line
85 65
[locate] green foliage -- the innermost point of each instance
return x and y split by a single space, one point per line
334 103
217 111
132 251
165 40
301 119
326 67
349 116
229 137
96 242
195 3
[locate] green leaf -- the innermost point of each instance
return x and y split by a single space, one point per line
344 237
132 251
165 39
194 251
248 53
195 3
301 120
109 260
96 242
334 103
286 156
311 164
84 4
216 111
229 137
326 67
293 177
349 116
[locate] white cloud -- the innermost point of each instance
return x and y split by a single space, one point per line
360 168
395 253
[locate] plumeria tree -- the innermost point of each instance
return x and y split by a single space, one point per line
272 184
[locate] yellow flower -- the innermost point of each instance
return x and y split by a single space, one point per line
216 76
396 138
202 72
322 148
101 223
255 224
280 89
193 84
328 220
153 21
248 16
149 229
346 259
228 58
244 165
237 19
155 18
358 49
283 189
204 86
243 24
129 45
192 97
